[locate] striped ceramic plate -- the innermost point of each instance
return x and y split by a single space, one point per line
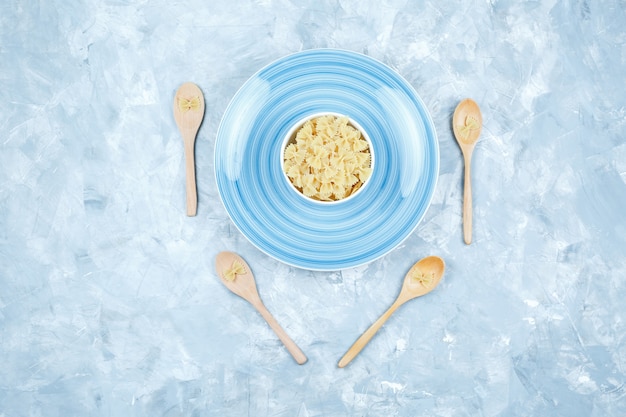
272 214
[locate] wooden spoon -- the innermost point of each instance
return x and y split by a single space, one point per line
467 123
235 273
421 279
188 113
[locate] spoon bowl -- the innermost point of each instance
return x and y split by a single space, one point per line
467 123
237 276
422 278
188 114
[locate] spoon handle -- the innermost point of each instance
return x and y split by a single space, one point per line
467 202
190 173
291 346
367 336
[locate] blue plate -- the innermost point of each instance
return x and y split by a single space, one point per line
320 236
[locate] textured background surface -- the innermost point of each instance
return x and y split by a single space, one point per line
108 300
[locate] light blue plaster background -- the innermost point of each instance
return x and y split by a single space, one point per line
109 305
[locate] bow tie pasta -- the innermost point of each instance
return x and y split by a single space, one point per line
328 160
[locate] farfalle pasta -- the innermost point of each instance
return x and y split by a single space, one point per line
328 159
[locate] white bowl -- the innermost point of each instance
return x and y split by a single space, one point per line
290 137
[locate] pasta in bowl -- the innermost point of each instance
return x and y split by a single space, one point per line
327 157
